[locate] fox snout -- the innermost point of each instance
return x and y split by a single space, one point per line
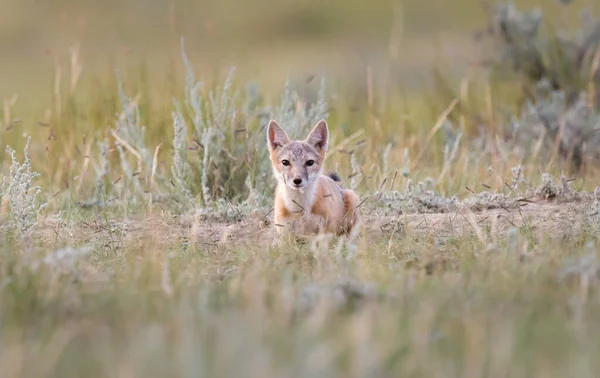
296 179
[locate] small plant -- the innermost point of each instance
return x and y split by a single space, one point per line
215 120
181 169
559 78
20 209
130 136
419 198
568 61
226 156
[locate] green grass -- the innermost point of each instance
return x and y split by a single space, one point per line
443 281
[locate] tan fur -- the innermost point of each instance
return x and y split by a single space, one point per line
319 204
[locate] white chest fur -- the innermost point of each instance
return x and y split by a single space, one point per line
299 201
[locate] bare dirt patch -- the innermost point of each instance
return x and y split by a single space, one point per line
543 217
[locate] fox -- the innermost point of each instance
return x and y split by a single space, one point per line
306 200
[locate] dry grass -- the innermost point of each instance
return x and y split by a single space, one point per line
156 258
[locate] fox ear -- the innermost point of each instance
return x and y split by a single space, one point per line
319 136
276 137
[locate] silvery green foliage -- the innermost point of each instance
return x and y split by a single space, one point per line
135 159
214 120
259 176
550 117
129 128
548 189
296 116
221 113
594 211
518 48
320 109
422 198
519 181
524 49
517 25
579 122
20 195
230 137
419 198
181 167
129 123
559 66
486 200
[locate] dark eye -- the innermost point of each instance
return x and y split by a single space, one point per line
310 163
285 162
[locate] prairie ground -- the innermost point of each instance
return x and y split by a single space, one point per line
136 200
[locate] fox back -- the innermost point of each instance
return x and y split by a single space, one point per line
305 199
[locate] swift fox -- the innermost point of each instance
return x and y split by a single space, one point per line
306 201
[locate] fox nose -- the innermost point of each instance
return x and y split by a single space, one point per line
297 181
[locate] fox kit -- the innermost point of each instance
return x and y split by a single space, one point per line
306 201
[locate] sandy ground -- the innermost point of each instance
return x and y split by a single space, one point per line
551 218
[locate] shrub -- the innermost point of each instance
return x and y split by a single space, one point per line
559 74
20 209
229 135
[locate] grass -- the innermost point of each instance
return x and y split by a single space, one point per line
157 307
155 254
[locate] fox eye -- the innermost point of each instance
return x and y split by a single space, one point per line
309 163
285 162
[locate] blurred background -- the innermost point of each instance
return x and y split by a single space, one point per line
262 38
265 39
392 66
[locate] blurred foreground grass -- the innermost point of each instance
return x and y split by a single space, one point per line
152 260
173 310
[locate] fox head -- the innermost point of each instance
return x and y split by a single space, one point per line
297 164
